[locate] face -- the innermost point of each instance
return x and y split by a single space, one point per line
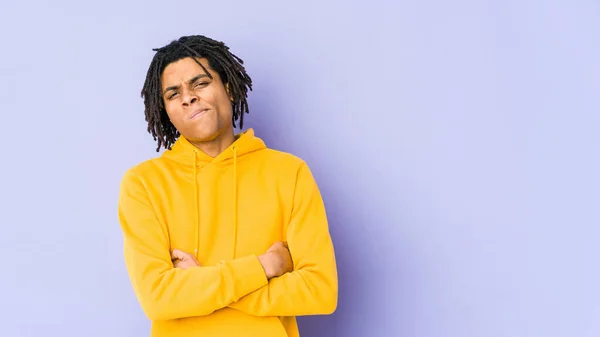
199 107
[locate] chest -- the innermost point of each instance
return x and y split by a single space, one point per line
225 215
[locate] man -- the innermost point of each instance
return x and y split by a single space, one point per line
222 236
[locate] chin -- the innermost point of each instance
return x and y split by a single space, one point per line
203 137
203 134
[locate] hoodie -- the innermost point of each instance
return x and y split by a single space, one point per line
226 210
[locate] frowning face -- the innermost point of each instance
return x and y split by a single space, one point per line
199 107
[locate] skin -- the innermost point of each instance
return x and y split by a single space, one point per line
200 109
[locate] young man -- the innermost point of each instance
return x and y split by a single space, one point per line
222 236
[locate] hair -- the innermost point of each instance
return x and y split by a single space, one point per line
229 67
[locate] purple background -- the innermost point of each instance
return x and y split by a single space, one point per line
455 144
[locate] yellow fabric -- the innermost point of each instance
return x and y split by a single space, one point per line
227 210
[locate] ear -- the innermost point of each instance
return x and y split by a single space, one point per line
228 92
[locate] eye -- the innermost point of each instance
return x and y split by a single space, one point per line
171 96
200 84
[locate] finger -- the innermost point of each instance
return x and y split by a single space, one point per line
177 254
180 264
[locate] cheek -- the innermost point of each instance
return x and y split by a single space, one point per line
214 95
209 97
174 112
223 102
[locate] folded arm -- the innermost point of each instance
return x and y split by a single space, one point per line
312 288
163 291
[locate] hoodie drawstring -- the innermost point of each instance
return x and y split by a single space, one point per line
196 205
235 210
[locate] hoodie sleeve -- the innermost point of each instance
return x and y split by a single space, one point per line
312 288
163 291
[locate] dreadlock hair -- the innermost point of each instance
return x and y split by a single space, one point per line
229 67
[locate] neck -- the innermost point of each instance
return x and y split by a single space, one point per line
214 147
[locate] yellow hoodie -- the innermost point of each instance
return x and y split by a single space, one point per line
227 210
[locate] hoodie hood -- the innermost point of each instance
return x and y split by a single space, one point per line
185 153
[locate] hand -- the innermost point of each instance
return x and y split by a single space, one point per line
277 260
183 260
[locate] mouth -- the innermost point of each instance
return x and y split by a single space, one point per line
198 113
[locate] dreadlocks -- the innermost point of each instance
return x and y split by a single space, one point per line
229 67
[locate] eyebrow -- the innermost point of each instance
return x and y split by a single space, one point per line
192 80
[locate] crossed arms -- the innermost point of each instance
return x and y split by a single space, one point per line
166 292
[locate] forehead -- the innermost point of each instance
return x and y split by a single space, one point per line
183 70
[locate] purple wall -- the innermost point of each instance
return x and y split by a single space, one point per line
455 143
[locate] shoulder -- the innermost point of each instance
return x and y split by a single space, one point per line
142 171
283 160
284 166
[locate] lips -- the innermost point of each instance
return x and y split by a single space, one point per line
197 113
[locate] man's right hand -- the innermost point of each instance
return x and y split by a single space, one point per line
277 260
183 260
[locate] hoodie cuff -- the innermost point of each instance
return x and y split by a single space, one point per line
249 275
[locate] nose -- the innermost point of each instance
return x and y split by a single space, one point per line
189 97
